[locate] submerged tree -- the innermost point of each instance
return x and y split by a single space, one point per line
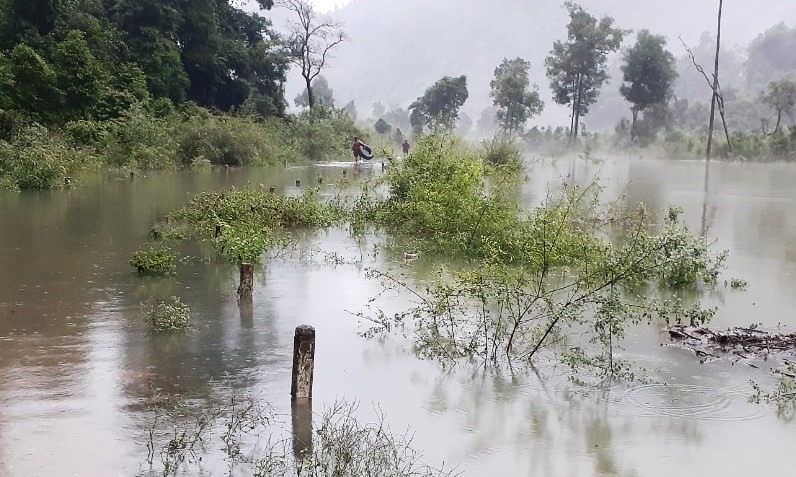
781 96
648 73
512 97
323 94
311 42
439 106
577 68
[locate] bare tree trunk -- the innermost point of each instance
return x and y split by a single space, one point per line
779 118
574 108
310 95
724 122
577 109
633 110
715 91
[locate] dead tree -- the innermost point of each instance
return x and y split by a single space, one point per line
311 41
717 98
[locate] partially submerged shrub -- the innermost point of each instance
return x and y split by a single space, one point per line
244 223
321 133
140 140
233 141
37 158
169 315
783 396
155 260
502 153
242 244
533 274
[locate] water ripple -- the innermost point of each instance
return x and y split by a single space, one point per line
694 402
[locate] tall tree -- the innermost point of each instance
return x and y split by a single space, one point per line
81 77
512 96
439 106
577 68
781 96
648 73
323 94
311 42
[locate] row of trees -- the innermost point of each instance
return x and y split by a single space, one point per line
576 69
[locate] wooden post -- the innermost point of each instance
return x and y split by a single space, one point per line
272 189
303 362
246 279
298 183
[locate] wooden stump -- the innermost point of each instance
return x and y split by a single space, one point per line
303 362
246 280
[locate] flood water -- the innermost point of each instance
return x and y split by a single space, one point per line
77 364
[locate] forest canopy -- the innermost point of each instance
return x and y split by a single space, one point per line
92 59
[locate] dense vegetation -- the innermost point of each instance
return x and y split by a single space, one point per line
146 85
570 272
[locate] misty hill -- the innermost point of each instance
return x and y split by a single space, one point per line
397 49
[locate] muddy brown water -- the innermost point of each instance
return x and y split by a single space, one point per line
77 366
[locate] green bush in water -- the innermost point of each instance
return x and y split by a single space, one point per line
155 261
233 141
36 158
322 134
169 315
138 139
243 244
502 153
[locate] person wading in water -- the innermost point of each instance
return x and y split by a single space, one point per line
356 147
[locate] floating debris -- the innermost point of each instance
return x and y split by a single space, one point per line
739 344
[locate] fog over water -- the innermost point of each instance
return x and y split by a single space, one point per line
398 49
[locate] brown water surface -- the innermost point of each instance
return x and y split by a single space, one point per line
77 366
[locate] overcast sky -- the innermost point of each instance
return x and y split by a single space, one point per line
326 5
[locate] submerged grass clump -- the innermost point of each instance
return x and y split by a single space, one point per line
156 260
169 315
244 223
249 437
501 152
